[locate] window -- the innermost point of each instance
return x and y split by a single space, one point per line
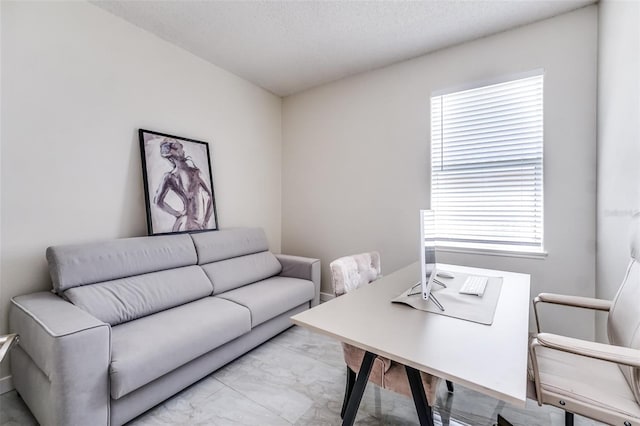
486 166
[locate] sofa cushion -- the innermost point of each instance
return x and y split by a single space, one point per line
227 243
271 297
145 349
228 274
80 264
126 299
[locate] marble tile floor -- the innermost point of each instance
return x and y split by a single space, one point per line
297 378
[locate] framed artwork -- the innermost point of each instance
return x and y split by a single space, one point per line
178 184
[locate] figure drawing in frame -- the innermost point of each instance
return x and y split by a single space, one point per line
178 184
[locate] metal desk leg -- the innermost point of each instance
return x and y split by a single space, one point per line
449 387
502 421
358 389
425 413
351 381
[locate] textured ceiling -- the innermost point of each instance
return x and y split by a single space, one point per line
287 47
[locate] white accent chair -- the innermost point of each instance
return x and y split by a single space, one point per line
596 380
347 274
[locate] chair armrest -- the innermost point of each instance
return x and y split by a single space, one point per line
610 353
575 301
305 268
572 301
6 343
605 352
61 364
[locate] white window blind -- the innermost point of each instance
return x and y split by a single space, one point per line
486 166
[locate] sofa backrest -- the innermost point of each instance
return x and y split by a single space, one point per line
81 264
232 258
121 280
126 299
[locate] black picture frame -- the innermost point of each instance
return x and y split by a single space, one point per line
173 205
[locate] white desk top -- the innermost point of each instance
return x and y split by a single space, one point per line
489 359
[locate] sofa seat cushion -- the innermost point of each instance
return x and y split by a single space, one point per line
147 348
269 298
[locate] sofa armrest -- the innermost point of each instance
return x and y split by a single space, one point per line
305 268
61 363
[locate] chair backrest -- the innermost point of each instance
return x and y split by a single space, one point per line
351 272
623 326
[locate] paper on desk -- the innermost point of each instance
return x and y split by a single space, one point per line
463 306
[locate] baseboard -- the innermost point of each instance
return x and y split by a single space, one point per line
324 297
6 384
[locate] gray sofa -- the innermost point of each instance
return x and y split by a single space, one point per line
130 322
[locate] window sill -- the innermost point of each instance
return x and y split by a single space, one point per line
541 255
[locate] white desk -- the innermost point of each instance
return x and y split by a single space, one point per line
489 359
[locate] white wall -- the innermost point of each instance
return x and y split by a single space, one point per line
618 142
356 157
77 83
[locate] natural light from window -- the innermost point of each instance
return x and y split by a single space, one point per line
487 166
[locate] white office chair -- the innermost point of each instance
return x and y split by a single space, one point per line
596 380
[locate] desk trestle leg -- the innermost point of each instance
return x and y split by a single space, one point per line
351 381
358 389
425 412
449 387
